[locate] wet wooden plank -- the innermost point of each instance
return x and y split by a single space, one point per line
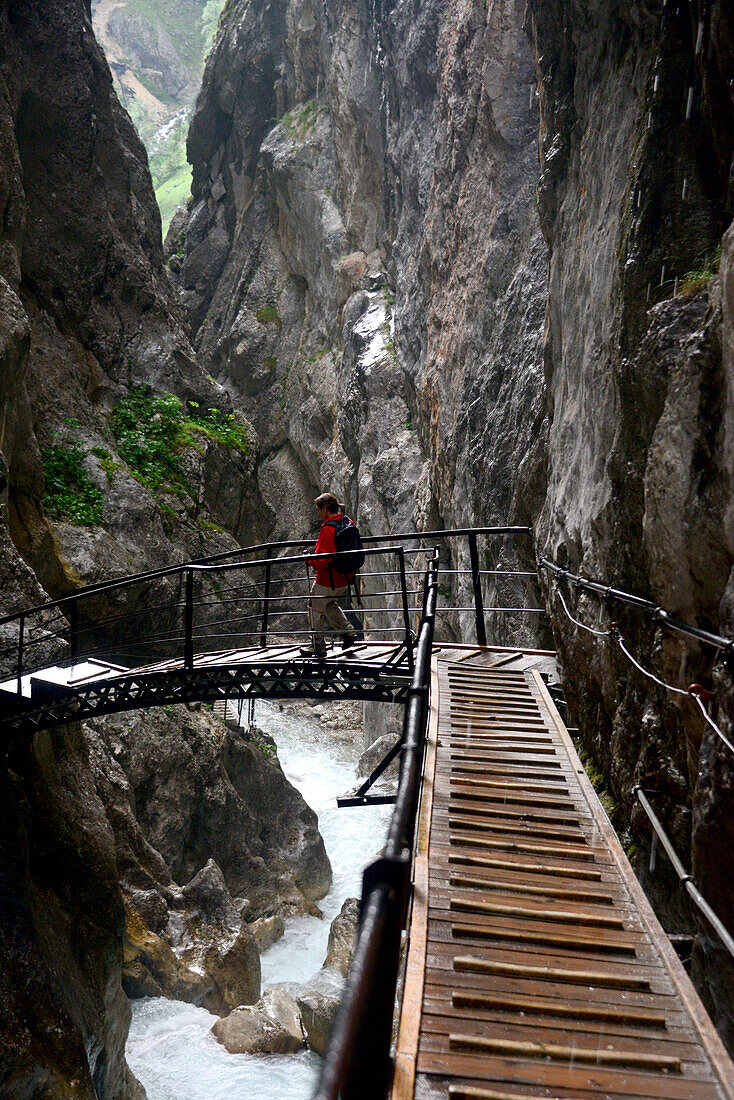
541 976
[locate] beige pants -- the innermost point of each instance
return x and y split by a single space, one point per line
324 611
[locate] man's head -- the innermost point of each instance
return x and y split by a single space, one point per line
327 505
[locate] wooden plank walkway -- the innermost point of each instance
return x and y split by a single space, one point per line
536 967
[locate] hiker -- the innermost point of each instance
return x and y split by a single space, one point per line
330 584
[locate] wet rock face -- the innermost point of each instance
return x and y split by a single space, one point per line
88 311
182 788
368 266
213 848
319 998
635 193
64 1014
202 791
468 255
342 937
415 311
282 270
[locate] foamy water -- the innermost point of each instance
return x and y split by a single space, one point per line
170 1048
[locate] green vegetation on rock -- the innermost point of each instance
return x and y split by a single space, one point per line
300 120
154 430
268 315
107 463
171 173
220 427
70 495
148 430
696 280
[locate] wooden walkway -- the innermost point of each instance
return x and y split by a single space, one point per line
536 967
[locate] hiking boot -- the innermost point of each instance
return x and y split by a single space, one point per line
316 654
348 641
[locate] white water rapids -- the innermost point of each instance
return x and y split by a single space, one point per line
170 1048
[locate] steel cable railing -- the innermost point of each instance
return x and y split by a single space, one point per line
660 615
694 692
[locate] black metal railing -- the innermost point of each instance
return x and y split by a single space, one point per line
658 614
203 607
253 595
357 1058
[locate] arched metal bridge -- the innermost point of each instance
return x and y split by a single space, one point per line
506 950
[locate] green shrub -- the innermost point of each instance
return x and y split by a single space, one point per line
268 315
70 495
152 431
107 463
148 429
205 524
221 427
696 280
300 120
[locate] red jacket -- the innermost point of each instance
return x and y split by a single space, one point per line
325 544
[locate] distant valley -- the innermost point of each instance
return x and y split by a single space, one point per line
156 51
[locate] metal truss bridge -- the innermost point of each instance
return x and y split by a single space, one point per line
231 627
506 950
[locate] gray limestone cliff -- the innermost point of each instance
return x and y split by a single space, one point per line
468 263
635 195
89 317
95 361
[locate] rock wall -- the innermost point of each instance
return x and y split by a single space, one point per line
64 1015
363 263
635 194
88 315
460 263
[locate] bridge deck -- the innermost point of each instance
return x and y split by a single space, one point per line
379 671
536 967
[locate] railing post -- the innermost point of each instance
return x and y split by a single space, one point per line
266 608
189 621
406 607
21 628
476 580
73 631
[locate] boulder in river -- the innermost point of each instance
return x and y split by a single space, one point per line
267 931
212 937
342 937
319 998
318 1001
376 752
272 1026
151 969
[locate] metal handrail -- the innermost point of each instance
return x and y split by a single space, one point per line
357 1057
170 570
78 629
658 613
686 880
181 631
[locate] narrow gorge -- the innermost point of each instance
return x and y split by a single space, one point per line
461 262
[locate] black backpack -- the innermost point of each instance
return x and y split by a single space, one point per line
350 555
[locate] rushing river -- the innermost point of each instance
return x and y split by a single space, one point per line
170 1048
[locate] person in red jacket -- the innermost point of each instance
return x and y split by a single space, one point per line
329 585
